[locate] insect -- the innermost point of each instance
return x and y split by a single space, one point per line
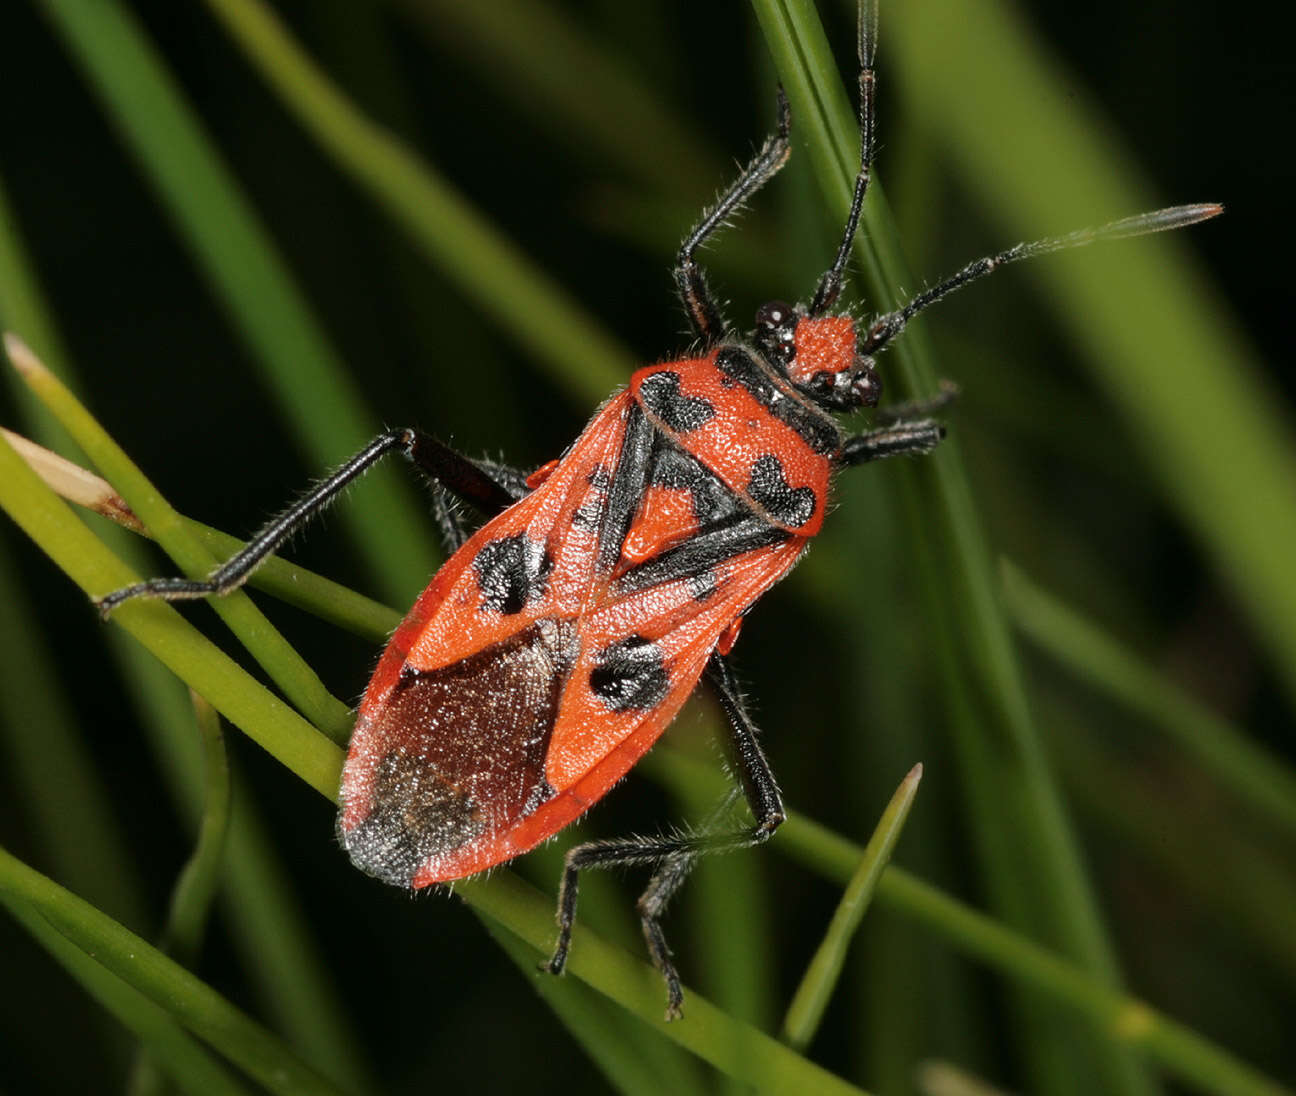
563 635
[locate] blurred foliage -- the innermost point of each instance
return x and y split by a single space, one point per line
247 314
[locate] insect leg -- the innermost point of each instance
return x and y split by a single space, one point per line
910 437
485 485
674 857
918 409
488 486
708 324
457 473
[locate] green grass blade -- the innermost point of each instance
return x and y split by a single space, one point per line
60 791
739 1051
298 681
810 1001
1158 340
1223 874
23 308
613 1038
180 1055
1027 852
529 49
80 830
330 601
80 834
1122 1019
262 1055
270 930
206 669
196 887
316 393
1254 776
440 221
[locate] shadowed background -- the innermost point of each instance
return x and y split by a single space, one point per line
594 162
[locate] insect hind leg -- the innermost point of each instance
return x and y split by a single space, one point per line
436 460
674 857
481 484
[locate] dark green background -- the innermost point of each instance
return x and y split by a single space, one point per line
1201 95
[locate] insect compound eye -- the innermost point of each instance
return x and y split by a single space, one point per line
775 314
776 323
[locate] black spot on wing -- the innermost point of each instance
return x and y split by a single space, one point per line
661 395
630 674
512 572
771 491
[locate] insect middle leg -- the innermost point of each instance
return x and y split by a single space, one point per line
674 857
487 487
907 437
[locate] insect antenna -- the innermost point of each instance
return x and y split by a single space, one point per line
888 326
830 285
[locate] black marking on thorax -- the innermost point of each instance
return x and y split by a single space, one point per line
769 489
816 428
660 394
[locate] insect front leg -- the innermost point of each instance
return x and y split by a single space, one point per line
674 857
704 316
474 483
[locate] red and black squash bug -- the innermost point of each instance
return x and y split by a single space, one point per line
561 637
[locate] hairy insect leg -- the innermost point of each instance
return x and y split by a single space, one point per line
470 481
486 485
910 437
447 514
674 857
704 316
917 409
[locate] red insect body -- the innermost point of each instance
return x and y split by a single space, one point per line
558 643
560 640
